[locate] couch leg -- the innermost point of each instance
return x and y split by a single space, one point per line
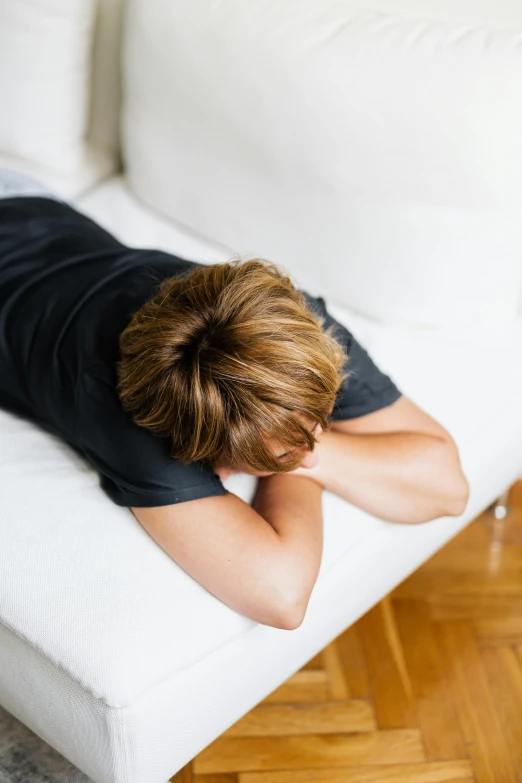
500 508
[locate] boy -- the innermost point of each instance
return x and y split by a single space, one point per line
167 375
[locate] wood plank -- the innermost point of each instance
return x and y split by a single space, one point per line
504 630
215 779
389 680
248 754
353 663
285 719
304 686
474 705
337 685
438 722
442 772
482 560
444 607
314 663
184 775
440 581
505 679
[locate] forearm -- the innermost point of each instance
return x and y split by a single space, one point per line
292 505
396 476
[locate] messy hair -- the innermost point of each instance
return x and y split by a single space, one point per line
222 358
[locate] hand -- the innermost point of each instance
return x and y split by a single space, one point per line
299 472
310 461
310 466
224 473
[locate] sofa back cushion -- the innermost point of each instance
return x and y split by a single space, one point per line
372 148
46 73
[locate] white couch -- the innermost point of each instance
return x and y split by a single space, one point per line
372 148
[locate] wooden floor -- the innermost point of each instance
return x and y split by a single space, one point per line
425 688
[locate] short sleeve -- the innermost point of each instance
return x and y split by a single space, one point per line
135 466
367 388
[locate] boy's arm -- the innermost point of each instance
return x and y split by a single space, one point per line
262 561
292 505
397 476
397 463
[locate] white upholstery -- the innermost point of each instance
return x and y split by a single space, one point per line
49 69
358 148
353 141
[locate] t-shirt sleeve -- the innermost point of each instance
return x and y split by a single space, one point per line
367 388
135 466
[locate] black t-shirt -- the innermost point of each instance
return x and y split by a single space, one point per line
67 290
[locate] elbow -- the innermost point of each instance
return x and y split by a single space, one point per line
290 616
454 495
455 503
459 498
459 503
294 593
281 618
286 621
458 493
291 621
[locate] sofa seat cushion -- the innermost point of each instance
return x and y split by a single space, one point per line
84 583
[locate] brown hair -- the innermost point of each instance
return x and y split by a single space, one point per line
223 357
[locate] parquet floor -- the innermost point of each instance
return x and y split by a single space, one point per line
425 688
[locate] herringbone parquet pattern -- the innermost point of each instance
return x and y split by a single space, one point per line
425 688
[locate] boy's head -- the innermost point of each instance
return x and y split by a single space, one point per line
228 360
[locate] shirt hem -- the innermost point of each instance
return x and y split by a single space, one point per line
154 499
352 412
